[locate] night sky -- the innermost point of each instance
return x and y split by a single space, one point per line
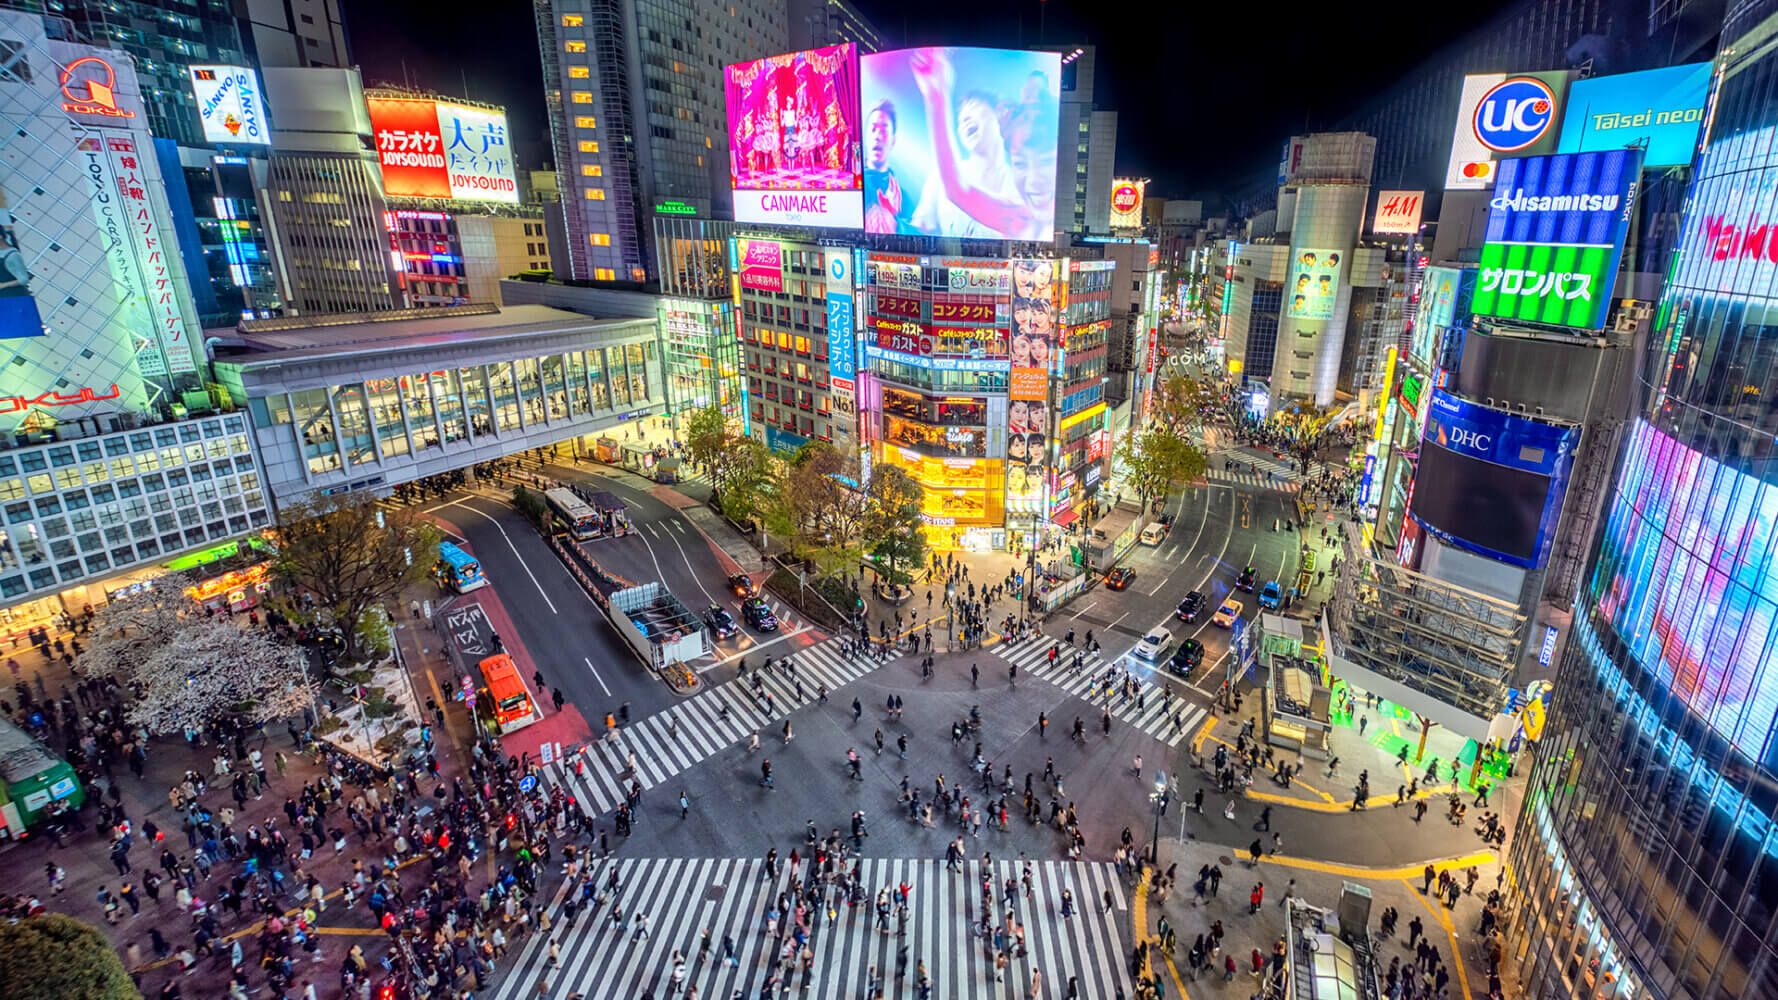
1220 85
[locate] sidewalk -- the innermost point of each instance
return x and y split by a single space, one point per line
1453 932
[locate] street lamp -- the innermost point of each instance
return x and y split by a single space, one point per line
1159 796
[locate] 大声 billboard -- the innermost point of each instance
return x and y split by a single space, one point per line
231 105
793 138
1398 212
1314 283
1126 203
440 149
1660 110
1498 113
1555 236
961 142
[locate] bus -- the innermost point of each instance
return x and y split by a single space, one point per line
457 570
573 512
505 690
34 783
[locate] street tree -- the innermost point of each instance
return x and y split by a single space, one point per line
892 523
341 555
1178 400
750 474
56 957
710 442
823 512
216 669
1156 460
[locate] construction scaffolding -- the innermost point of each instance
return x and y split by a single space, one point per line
1454 646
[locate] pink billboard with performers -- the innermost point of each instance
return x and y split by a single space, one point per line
794 138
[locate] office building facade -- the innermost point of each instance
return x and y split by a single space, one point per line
817 24
1645 853
634 94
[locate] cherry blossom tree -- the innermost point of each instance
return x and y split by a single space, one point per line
215 669
136 623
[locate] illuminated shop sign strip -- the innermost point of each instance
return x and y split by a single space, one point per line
1084 415
948 364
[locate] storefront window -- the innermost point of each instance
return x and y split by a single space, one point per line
385 409
620 384
577 390
354 418
314 422
530 389
448 397
554 392
416 395
966 442
475 393
506 400
595 360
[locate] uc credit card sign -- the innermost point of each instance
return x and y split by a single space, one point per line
1503 114
1555 237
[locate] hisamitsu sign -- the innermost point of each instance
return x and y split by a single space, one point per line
1555 237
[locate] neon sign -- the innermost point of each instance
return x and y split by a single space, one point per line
19 404
101 89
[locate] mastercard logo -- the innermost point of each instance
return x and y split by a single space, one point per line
1478 169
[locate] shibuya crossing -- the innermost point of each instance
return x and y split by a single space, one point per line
796 501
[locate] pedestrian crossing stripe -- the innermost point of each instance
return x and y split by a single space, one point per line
1254 481
691 732
1168 720
683 896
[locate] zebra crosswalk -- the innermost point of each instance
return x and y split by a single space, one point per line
1167 719
1265 479
681 897
670 742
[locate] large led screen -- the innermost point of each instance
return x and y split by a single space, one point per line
1482 507
793 137
1314 283
961 142
1687 578
1555 236
1660 110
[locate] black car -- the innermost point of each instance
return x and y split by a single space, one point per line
759 615
1119 579
1245 581
721 623
1191 607
1187 657
741 585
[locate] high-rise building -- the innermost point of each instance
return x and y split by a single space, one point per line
1650 824
816 24
634 93
1086 148
324 192
184 61
298 33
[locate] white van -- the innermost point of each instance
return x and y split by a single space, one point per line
1154 534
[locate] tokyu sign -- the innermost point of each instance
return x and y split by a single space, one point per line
1555 237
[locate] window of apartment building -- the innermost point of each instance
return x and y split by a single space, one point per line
591 170
595 194
572 20
585 121
576 47
579 72
604 274
599 239
588 145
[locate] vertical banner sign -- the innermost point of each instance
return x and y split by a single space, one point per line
153 255
841 364
120 258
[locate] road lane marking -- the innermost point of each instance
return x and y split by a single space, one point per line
595 670
526 566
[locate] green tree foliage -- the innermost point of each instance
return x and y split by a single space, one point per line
1157 459
340 555
56 957
814 507
896 535
532 507
1177 401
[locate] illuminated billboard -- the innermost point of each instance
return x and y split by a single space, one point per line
231 105
1314 283
1687 576
440 149
1488 481
1555 236
762 265
1398 212
1035 335
1660 110
1435 310
1498 113
961 142
1726 247
842 365
18 308
1126 203
793 138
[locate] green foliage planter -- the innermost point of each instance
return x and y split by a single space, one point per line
55 957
